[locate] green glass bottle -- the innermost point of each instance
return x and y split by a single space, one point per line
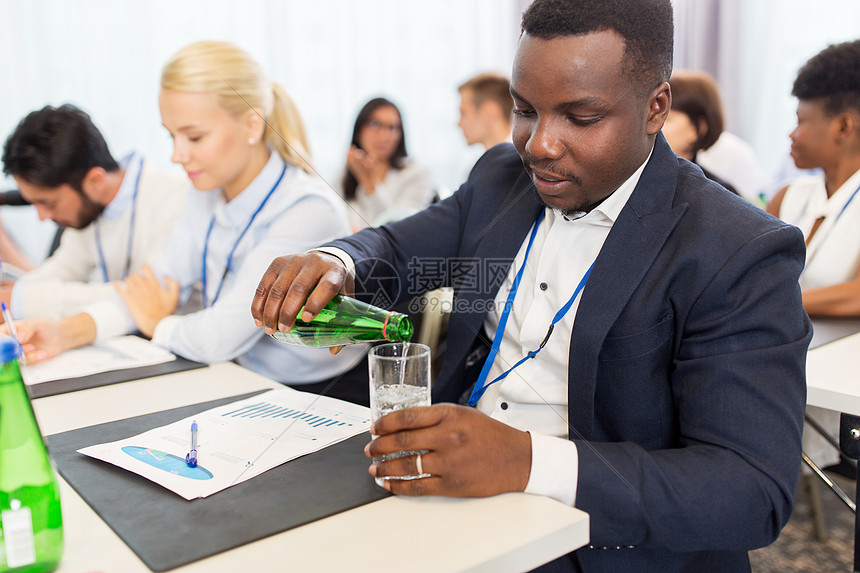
345 320
31 521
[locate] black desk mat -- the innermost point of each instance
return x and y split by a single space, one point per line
52 387
157 524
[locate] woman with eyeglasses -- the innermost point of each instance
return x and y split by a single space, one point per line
380 182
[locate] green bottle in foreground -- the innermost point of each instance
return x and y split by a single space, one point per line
31 521
346 320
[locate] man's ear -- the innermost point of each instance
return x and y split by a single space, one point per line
491 109
659 104
95 185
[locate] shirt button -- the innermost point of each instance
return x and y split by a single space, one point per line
504 406
543 286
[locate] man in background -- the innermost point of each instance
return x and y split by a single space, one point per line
485 109
485 117
115 213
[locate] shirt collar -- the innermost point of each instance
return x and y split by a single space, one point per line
237 210
132 165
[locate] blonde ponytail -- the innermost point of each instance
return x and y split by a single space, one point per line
285 130
237 81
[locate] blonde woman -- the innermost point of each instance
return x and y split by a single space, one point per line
242 143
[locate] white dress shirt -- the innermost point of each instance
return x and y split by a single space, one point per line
534 396
72 277
301 213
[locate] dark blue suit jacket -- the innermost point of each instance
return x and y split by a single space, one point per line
687 356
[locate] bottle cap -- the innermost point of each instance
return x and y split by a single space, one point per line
10 348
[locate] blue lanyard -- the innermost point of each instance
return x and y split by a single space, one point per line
480 386
830 229
845 206
206 302
102 262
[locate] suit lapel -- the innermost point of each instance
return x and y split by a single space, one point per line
499 238
636 238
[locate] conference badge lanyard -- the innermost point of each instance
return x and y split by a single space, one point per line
820 241
481 385
228 266
102 261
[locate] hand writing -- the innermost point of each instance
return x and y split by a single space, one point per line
40 339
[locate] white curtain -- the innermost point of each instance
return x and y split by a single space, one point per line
331 55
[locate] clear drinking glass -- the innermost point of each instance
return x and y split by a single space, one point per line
399 379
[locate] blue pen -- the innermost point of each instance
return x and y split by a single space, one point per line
7 316
191 457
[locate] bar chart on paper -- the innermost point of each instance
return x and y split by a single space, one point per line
236 441
263 410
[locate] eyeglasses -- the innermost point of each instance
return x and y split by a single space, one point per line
377 125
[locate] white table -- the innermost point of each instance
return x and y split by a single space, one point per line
833 382
512 532
833 375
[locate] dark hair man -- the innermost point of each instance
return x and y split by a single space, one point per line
117 213
649 339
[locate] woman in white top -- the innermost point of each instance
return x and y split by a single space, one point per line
380 182
242 143
827 207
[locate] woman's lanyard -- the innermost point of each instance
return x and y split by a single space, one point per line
820 241
206 302
102 262
480 387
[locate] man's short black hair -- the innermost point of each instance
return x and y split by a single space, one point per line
832 76
646 26
56 146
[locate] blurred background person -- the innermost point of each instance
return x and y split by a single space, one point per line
380 182
695 121
737 162
116 214
726 157
486 107
243 145
825 206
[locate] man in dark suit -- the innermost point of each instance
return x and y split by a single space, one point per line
649 337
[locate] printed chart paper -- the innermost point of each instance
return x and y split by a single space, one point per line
112 354
237 441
